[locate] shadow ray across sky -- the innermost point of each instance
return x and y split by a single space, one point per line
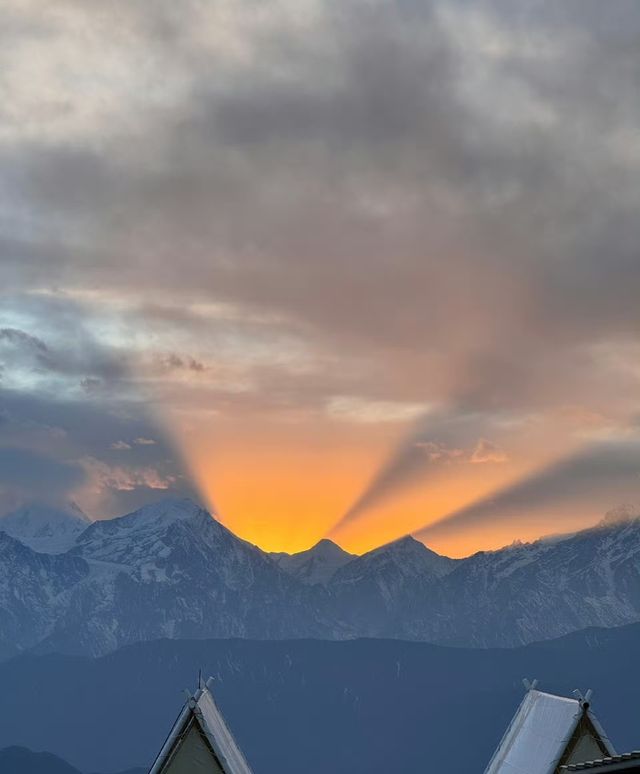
607 471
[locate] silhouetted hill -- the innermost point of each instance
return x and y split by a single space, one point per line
20 760
362 706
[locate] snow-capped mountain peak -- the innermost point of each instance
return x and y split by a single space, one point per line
171 570
410 556
142 535
163 513
317 564
45 528
623 514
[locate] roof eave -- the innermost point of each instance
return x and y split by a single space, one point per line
178 728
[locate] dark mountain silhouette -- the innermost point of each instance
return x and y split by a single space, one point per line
362 706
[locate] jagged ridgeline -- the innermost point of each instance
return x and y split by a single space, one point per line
170 570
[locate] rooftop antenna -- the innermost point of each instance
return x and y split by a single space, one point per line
585 700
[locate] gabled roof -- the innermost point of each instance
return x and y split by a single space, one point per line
542 729
202 711
626 762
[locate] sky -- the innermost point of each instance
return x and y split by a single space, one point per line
353 270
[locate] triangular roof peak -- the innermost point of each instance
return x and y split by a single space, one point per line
200 740
548 731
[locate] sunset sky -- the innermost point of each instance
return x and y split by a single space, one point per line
345 269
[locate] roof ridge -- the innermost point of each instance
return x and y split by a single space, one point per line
202 708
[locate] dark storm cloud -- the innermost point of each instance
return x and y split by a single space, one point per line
609 468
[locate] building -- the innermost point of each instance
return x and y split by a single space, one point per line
549 733
628 762
200 741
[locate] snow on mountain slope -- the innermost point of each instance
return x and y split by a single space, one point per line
171 570
544 589
317 564
34 590
385 592
136 539
45 528
403 558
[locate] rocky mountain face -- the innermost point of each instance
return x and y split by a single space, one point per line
171 570
35 591
542 590
385 592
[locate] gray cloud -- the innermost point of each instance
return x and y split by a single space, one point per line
174 361
25 472
54 450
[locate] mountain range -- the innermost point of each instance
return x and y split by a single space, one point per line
171 570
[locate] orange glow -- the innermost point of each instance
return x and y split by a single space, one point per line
490 537
280 490
283 485
418 505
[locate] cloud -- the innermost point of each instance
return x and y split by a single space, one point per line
144 442
21 338
173 361
390 170
55 450
120 446
27 474
371 209
353 409
436 452
486 451
120 478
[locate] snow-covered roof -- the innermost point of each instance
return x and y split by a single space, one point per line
202 709
539 733
626 762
